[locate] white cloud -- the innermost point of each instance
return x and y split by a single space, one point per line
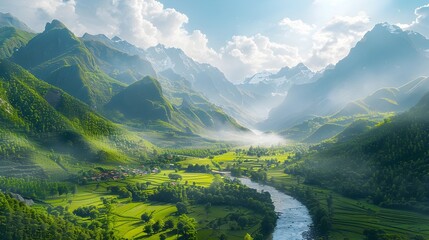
421 23
297 26
147 23
245 55
334 40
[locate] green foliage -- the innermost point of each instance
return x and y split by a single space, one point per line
34 188
186 227
60 58
22 222
387 164
11 39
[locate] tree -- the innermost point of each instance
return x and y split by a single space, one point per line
181 208
146 217
162 237
158 226
148 229
168 224
186 227
208 207
248 237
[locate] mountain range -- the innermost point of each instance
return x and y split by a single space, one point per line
386 56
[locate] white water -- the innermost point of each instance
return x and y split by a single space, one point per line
294 220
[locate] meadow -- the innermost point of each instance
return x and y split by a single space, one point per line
126 214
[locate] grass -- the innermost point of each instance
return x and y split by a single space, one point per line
351 217
127 214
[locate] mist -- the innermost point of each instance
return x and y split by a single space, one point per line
252 137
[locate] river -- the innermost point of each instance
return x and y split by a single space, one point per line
294 220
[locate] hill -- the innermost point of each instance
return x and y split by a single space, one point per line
119 65
45 130
58 57
387 164
142 100
11 39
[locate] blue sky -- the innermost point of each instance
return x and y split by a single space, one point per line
240 37
221 19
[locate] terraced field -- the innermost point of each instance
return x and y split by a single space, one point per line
127 214
351 217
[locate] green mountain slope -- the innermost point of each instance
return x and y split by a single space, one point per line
388 99
142 100
40 123
60 58
11 39
119 65
387 164
143 104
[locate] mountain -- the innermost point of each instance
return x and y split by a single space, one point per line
388 99
58 57
119 65
273 87
38 119
386 56
11 39
116 43
7 20
205 79
386 164
142 100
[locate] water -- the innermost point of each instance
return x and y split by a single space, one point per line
294 220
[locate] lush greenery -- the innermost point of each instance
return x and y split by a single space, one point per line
21 222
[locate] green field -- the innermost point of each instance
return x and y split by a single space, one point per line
127 214
351 217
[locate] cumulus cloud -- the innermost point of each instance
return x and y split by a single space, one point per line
421 23
250 54
333 41
296 25
144 23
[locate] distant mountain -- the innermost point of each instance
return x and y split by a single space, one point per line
273 87
385 57
116 43
205 79
142 100
119 65
8 20
60 58
388 99
11 39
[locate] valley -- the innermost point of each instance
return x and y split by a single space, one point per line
103 137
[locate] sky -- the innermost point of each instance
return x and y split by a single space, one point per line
240 37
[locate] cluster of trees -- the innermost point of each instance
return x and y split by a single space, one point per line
387 164
199 152
221 193
198 168
35 188
87 212
21 222
257 151
322 217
